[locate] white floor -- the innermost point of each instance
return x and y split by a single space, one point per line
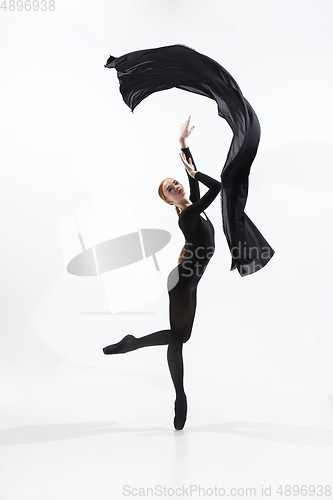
77 432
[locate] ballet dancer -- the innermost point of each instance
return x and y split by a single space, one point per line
183 280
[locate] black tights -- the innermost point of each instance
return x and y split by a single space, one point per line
183 301
181 313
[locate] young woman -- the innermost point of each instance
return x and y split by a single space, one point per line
183 280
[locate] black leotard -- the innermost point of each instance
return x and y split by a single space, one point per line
198 232
200 246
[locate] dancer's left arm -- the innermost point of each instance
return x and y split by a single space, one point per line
213 185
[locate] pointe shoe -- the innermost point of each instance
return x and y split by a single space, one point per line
180 413
124 345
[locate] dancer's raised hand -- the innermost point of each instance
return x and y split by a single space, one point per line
188 165
185 132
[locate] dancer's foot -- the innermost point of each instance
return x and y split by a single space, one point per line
125 345
180 412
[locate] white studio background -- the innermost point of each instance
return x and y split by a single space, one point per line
76 424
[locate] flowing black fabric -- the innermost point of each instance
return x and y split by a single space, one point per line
144 72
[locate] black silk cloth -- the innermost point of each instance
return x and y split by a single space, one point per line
144 72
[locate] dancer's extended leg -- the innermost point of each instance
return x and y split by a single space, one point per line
182 312
162 337
130 343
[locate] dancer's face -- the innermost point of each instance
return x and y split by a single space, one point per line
174 191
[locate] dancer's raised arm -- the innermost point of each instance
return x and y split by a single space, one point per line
213 185
185 132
